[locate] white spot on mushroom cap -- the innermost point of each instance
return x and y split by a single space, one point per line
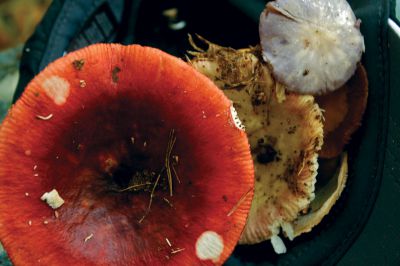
209 246
53 199
57 89
236 119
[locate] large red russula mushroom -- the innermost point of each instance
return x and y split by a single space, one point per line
147 154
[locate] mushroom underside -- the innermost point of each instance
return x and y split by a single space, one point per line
285 133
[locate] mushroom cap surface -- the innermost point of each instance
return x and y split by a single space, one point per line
99 120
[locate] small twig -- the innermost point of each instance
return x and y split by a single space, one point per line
167 168
41 117
169 243
239 202
169 203
302 167
177 250
152 196
171 143
194 45
88 238
135 186
176 174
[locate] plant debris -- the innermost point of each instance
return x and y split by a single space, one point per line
88 238
48 117
171 143
174 251
82 83
151 197
78 64
114 73
239 202
168 202
167 167
53 199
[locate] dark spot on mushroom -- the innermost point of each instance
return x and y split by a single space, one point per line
36 94
292 130
305 72
114 74
283 41
258 98
265 154
225 198
124 175
78 64
237 105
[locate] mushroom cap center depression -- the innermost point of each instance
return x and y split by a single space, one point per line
109 145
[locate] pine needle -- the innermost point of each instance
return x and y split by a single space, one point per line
151 196
171 143
176 174
239 202
135 186
167 167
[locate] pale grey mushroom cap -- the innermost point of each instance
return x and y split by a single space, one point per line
313 46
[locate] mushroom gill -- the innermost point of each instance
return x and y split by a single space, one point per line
285 133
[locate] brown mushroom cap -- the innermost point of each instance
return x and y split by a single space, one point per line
343 112
285 136
91 122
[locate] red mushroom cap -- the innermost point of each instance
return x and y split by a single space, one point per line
343 112
102 120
